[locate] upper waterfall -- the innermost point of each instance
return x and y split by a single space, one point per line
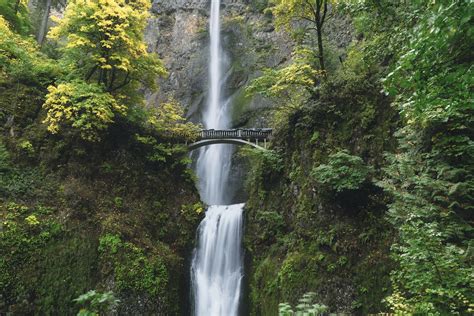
214 162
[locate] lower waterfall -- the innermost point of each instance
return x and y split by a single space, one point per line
217 266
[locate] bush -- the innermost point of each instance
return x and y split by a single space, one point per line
97 303
306 307
83 106
342 172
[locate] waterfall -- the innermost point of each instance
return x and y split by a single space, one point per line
216 271
217 266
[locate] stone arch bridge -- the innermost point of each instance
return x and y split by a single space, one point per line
255 137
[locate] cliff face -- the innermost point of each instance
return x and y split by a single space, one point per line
178 32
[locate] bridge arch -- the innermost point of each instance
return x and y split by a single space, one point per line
232 141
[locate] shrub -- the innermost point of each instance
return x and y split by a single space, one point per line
342 172
306 307
82 106
97 303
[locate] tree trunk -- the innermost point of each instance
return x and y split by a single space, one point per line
17 6
44 23
320 47
319 21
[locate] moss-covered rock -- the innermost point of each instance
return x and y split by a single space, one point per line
79 216
315 217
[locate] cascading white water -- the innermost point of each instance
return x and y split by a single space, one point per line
214 161
216 271
217 267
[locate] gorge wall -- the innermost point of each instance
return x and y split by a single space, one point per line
178 32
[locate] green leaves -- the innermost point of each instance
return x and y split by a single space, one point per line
4 159
83 106
20 59
342 172
107 62
300 74
306 307
97 303
430 178
16 13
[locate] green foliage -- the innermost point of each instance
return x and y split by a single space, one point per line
20 59
110 243
274 224
4 159
431 178
268 158
162 152
342 172
96 303
264 164
16 13
168 120
90 186
25 232
27 148
300 75
81 105
306 307
132 268
433 252
107 62
104 43
16 182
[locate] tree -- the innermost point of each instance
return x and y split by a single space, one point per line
16 13
44 23
103 47
104 43
284 82
288 12
431 177
84 106
21 60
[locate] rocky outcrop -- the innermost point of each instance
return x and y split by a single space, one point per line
178 32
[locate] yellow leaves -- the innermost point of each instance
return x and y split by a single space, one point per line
4 28
168 119
107 28
276 82
32 220
84 107
75 41
104 46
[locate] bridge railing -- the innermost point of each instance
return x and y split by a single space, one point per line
250 134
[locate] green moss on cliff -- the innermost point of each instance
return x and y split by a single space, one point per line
318 214
59 197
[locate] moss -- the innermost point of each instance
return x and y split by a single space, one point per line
43 266
240 104
68 268
266 293
21 103
335 244
132 268
61 200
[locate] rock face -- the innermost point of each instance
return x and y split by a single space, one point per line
178 32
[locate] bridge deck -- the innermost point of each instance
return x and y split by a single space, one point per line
246 134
